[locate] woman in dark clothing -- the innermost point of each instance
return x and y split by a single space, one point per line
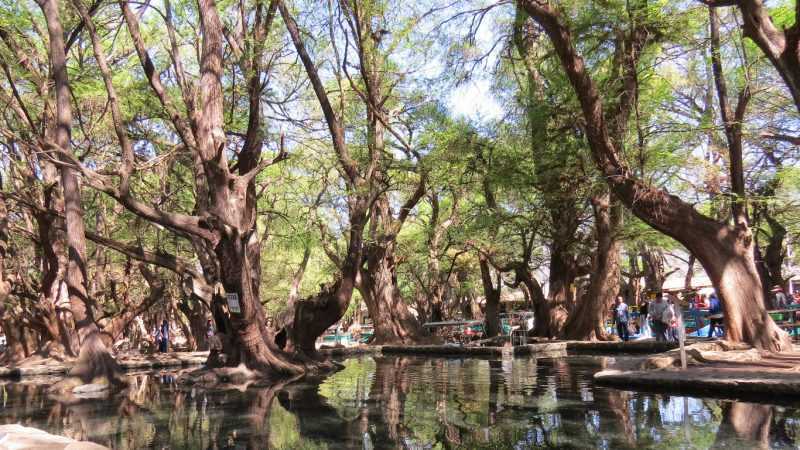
162 345
716 315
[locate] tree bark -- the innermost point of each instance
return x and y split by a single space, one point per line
552 314
492 294
687 281
391 318
654 265
587 321
94 360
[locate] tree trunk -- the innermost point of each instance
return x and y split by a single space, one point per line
552 314
775 254
195 313
244 335
728 261
492 294
687 281
653 262
297 279
587 321
391 317
94 360
318 313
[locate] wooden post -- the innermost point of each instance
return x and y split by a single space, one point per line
681 333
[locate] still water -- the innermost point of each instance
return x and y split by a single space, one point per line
410 403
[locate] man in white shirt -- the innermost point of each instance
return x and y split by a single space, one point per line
657 310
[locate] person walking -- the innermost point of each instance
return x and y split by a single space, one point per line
209 333
621 318
164 331
644 323
156 337
715 314
672 334
779 297
659 311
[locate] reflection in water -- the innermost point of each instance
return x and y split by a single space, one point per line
409 403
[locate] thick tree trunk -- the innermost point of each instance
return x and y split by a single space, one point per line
391 318
437 304
492 294
552 314
587 321
244 335
728 260
94 360
774 254
195 314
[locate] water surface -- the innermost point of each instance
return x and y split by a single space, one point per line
410 403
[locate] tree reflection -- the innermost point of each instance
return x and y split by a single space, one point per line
748 422
406 402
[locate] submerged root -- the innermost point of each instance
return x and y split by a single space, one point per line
240 377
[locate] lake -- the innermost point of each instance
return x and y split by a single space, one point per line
379 402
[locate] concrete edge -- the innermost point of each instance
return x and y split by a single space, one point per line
756 387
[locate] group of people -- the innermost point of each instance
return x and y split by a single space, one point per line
662 316
161 335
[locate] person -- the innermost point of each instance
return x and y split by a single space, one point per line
715 314
659 310
674 318
156 336
209 333
621 317
701 302
164 331
779 297
644 324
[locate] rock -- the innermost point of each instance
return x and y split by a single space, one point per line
92 388
18 437
84 446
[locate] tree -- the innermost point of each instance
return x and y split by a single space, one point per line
724 250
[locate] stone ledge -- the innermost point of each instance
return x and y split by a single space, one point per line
645 346
19 437
747 382
127 362
349 351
